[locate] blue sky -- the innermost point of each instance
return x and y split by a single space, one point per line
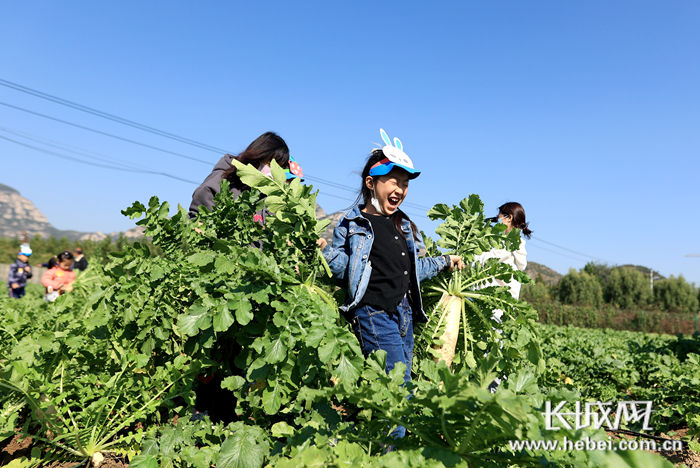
588 113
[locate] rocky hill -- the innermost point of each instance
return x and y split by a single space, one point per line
18 215
537 270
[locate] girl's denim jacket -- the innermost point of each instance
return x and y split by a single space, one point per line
348 258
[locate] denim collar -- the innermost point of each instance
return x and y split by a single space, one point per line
355 214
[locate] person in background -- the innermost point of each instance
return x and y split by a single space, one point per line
80 262
211 400
59 279
512 215
52 262
24 238
260 154
20 271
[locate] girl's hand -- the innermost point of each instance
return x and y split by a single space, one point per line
456 262
321 243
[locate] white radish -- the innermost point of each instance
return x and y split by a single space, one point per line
452 307
97 459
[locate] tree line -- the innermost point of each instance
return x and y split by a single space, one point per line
623 287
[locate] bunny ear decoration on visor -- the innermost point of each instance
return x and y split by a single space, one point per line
385 137
394 157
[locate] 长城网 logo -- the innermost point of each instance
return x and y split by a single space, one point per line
607 415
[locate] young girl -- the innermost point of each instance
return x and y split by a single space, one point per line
375 249
59 279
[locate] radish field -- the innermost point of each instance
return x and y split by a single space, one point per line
108 374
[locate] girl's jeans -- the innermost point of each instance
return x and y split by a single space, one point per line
389 331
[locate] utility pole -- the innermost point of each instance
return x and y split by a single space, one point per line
651 279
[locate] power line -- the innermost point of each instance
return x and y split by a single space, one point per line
107 162
556 253
145 128
332 195
123 168
110 161
74 149
156 148
566 248
111 135
108 116
146 145
91 163
65 156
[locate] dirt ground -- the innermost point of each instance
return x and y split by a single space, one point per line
687 457
17 447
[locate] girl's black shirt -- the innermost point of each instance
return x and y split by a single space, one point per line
391 265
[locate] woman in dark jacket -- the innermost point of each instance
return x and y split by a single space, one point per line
211 398
259 153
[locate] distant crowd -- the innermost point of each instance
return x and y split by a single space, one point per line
57 279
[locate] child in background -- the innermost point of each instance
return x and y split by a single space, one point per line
20 271
80 262
58 280
52 262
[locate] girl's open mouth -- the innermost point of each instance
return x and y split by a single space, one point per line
393 202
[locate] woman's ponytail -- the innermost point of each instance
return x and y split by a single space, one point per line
517 214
